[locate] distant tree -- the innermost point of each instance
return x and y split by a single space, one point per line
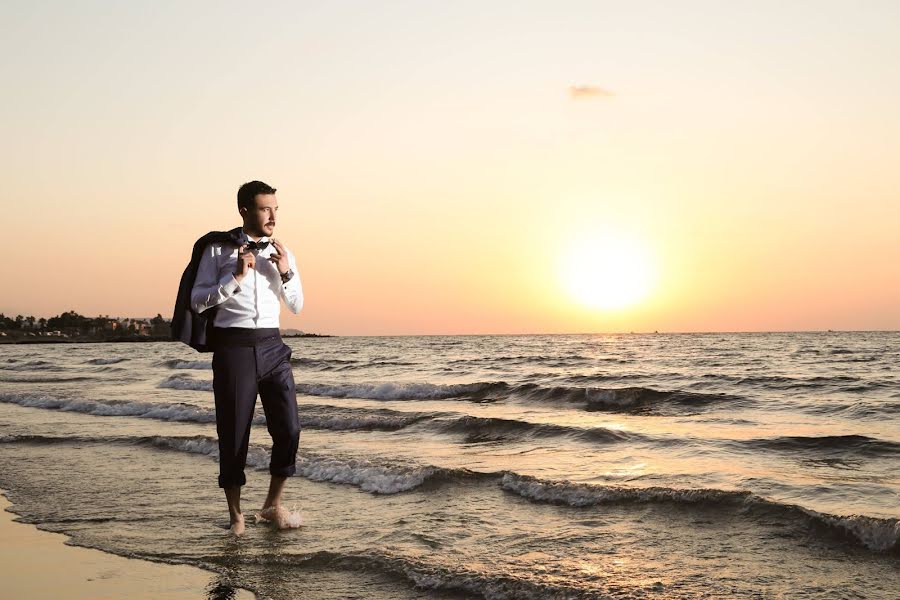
69 320
42 322
157 320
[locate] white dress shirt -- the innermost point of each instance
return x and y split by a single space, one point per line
253 303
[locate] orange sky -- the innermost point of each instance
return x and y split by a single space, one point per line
434 163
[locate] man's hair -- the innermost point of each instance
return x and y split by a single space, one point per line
247 193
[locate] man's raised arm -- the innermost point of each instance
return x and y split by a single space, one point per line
210 290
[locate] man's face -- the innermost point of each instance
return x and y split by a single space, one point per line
260 219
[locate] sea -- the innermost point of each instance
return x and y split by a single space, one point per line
689 465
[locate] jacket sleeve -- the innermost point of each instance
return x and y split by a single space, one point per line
210 289
292 291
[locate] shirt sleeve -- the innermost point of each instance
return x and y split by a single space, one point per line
209 289
292 291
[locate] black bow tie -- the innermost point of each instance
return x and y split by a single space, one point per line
251 245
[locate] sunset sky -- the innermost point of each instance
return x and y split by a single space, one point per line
441 166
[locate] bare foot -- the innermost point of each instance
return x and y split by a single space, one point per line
237 526
281 517
266 514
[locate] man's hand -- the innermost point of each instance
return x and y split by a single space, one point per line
279 258
245 262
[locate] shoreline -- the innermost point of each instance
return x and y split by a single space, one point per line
80 573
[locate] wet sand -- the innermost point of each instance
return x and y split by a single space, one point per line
39 564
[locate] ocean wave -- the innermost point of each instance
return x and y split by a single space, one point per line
784 382
624 399
378 476
604 377
339 418
400 391
549 360
368 474
347 418
338 364
313 416
641 399
115 408
863 409
32 365
322 364
589 494
481 429
858 444
105 361
875 533
628 399
186 382
176 363
335 418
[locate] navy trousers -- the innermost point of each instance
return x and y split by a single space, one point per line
247 362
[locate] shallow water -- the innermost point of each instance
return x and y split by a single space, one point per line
570 466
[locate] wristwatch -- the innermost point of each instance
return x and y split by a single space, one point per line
286 276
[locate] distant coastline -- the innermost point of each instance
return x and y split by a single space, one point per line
72 328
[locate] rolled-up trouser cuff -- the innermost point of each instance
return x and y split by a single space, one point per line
232 481
287 471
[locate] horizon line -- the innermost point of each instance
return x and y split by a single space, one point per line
655 332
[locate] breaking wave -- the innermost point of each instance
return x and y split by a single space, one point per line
186 382
879 534
628 399
188 364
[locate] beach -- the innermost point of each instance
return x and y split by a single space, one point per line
562 467
27 553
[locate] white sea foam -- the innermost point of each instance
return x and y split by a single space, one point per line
191 364
366 474
342 423
150 410
283 518
183 382
875 534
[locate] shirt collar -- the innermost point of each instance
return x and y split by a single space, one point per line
246 237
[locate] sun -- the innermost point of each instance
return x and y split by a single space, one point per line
607 270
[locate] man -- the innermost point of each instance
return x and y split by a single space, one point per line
246 280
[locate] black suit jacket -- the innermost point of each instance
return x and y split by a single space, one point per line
188 326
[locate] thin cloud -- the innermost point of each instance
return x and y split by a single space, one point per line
578 92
